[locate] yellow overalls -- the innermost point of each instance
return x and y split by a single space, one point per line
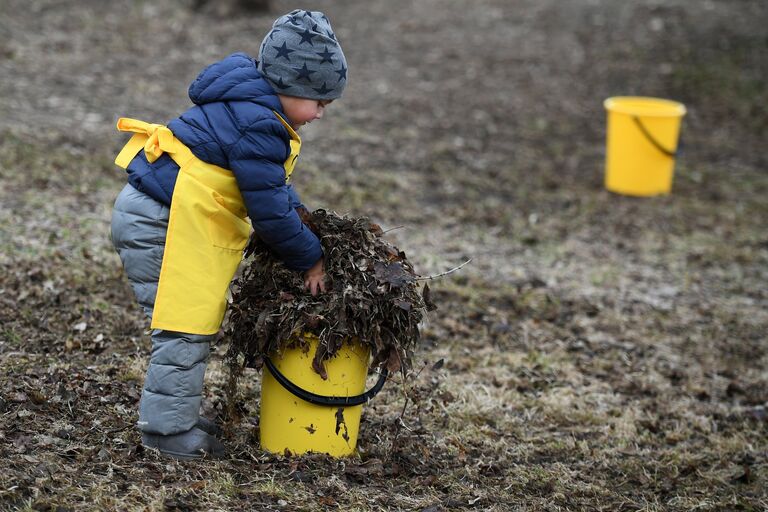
207 230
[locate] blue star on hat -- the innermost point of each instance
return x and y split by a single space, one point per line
323 89
284 51
304 72
326 55
342 72
307 36
280 84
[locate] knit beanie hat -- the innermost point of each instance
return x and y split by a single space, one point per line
301 57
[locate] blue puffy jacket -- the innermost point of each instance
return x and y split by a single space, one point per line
233 125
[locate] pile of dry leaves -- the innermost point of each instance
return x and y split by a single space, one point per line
372 296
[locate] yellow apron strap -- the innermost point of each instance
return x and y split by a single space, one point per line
295 145
135 144
155 139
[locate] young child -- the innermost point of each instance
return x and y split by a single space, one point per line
180 225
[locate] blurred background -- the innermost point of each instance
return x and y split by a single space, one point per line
599 349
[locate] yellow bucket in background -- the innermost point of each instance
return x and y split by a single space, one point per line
641 144
294 424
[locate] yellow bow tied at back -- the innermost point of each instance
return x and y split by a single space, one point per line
155 139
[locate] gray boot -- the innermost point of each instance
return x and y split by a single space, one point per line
173 387
193 444
208 426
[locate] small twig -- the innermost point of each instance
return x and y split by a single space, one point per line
400 421
419 372
422 278
392 229
403 425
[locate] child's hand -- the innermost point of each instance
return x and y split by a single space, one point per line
314 278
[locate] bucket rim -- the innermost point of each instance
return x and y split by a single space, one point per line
613 104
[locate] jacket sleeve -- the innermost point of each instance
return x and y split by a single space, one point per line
294 197
255 161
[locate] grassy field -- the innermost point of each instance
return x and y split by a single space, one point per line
600 352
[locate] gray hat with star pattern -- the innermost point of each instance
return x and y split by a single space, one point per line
301 57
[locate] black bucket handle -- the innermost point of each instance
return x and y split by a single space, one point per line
651 139
330 401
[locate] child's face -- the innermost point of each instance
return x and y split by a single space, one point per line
301 111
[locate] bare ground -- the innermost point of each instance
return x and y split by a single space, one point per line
600 353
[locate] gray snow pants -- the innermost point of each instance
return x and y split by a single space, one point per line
173 387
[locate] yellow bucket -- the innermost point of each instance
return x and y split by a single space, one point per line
301 412
641 144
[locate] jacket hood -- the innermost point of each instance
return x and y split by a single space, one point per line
235 78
